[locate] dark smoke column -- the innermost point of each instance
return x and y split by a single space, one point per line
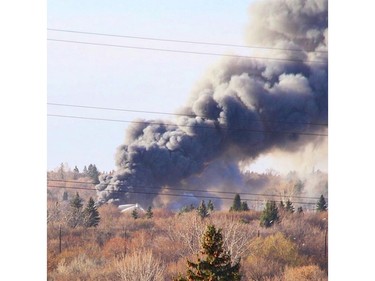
243 107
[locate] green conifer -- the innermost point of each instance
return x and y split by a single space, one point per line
202 210
149 213
270 214
91 214
135 214
321 206
215 263
236 206
75 214
210 206
289 207
244 206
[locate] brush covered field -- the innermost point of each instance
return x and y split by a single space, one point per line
157 248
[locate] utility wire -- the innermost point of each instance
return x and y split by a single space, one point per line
182 41
171 194
173 114
122 109
182 51
188 126
198 190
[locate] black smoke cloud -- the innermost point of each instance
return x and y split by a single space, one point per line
242 108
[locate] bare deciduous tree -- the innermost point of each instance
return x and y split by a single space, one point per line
236 237
187 231
140 266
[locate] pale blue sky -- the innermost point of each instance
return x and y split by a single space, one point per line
126 78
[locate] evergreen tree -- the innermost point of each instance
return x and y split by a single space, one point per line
85 171
236 206
75 170
321 206
210 206
215 264
91 214
76 202
65 196
93 173
135 214
62 171
202 210
244 206
75 173
298 186
75 214
186 209
289 207
149 213
270 214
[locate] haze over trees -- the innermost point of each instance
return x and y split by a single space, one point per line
168 239
284 251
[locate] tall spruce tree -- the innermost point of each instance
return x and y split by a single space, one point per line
91 214
135 214
289 207
236 206
149 213
65 196
93 173
76 170
202 210
270 214
215 264
75 213
210 206
244 206
321 206
62 171
75 173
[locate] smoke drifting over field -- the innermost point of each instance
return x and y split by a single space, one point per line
241 109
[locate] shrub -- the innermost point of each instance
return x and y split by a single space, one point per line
80 268
140 266
259 268
305 273
276 248
114 248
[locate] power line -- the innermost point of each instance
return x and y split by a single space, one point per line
174 114
188 126
199 190
182 51
183 41
123 109
171 194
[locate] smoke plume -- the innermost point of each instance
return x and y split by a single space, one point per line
242 108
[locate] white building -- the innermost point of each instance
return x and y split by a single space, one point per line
130 207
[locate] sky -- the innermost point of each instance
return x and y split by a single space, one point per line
134 79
